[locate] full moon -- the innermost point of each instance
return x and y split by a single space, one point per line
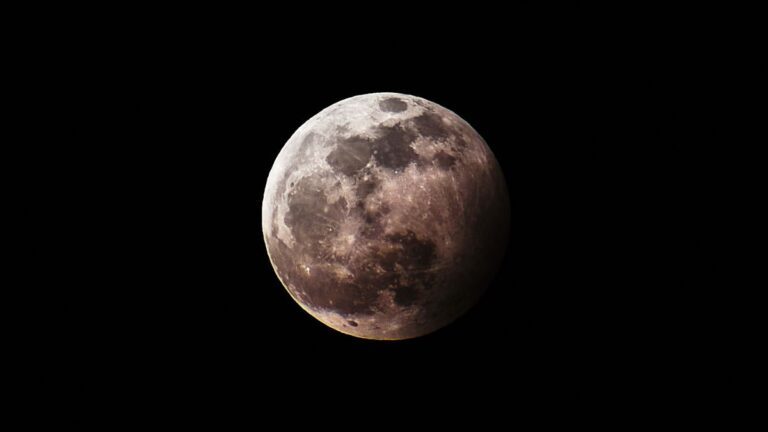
385 216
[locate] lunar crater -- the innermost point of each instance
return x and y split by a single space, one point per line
393 105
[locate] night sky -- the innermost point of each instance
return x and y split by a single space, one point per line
169 289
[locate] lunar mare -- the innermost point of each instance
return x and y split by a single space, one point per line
385 216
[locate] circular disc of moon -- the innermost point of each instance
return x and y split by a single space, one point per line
385 216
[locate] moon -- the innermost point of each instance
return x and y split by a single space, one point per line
385 216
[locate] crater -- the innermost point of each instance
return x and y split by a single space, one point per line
393 105
352 323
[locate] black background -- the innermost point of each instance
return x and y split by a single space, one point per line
169 132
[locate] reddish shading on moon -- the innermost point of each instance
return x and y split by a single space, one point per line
385 216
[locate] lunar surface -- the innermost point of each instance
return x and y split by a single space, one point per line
385 216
